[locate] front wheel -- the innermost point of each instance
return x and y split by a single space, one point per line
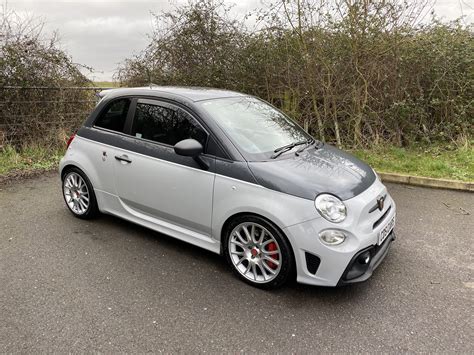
79 194
258 252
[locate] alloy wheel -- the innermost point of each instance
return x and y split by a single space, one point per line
254 252
76 193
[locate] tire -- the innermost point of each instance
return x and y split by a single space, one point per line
78 194
262 261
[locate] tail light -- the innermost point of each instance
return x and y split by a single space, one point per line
69 141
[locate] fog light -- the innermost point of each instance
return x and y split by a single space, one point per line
364 258
332 237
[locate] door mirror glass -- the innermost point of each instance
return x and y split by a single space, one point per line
188 148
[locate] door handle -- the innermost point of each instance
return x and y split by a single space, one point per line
123 159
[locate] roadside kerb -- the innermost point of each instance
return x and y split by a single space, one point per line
427 182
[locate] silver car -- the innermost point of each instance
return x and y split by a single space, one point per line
230 173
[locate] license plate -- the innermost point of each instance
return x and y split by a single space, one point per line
384 233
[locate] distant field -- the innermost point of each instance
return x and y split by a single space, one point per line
106 84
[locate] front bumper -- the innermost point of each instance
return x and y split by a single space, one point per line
358 270
323 265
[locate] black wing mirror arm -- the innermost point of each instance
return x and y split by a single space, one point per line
201 162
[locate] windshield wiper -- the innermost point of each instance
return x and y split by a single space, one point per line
308 144
285 148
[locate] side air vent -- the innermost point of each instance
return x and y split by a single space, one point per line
312 263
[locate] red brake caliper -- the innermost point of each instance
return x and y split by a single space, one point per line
272 247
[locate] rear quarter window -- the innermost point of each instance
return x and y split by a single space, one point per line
113 117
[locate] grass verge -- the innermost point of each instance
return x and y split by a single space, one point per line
27 160
434 162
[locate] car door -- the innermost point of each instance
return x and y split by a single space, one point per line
151 180
109 124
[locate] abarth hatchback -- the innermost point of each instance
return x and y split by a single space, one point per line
230 173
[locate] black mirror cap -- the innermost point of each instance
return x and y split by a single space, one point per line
188 148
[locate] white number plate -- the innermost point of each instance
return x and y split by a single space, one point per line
383 234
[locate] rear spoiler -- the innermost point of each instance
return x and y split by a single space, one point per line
101 94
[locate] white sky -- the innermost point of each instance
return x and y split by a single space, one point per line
102 33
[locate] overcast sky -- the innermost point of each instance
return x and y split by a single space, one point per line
102 33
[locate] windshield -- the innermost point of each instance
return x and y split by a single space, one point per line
255 127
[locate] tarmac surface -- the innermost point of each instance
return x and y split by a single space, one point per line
68 285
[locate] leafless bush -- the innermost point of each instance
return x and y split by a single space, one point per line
43 116
33 68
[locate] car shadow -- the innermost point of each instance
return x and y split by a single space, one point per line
209 261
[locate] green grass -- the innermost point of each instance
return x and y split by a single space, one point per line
28 159
435 162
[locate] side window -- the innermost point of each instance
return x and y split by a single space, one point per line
114 116
166 125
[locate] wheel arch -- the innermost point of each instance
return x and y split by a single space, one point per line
68 167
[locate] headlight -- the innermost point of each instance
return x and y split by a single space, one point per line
331 208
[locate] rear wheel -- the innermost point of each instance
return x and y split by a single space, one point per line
79 194
258 252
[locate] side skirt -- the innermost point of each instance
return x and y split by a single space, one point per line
111 204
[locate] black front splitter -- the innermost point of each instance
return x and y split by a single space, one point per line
363 272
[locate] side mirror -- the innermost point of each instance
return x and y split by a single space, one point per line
191 148
188 148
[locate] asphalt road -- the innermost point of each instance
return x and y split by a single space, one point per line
108 285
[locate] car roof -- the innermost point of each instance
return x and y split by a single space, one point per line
188 92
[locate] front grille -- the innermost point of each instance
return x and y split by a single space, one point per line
380 220
312 262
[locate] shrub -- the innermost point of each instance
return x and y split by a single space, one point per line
353 73
29 62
